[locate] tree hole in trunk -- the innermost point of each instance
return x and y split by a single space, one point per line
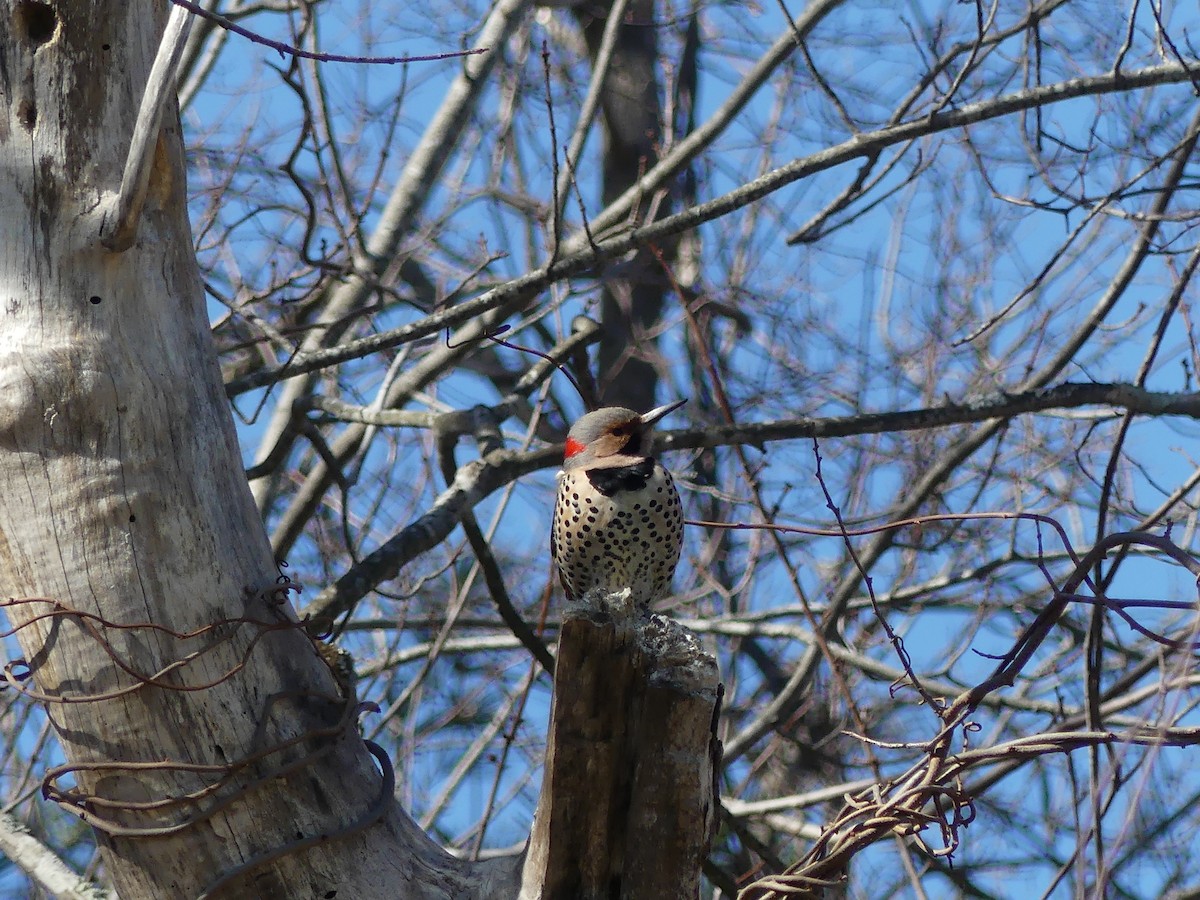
36 21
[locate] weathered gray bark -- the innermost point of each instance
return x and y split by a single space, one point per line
632 742
121 497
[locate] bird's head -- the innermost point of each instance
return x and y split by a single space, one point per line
613 436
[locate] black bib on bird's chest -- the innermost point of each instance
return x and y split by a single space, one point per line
611 482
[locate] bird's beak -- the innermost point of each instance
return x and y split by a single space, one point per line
655 414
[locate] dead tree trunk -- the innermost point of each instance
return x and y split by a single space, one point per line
211 746
632 742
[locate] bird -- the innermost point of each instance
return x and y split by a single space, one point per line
618 522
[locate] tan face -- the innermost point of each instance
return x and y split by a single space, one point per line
613 434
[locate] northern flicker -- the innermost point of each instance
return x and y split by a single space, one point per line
617 521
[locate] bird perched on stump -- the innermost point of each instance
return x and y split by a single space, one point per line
618 522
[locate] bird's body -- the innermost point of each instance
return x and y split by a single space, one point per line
618 522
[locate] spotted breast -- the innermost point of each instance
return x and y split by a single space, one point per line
618 521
